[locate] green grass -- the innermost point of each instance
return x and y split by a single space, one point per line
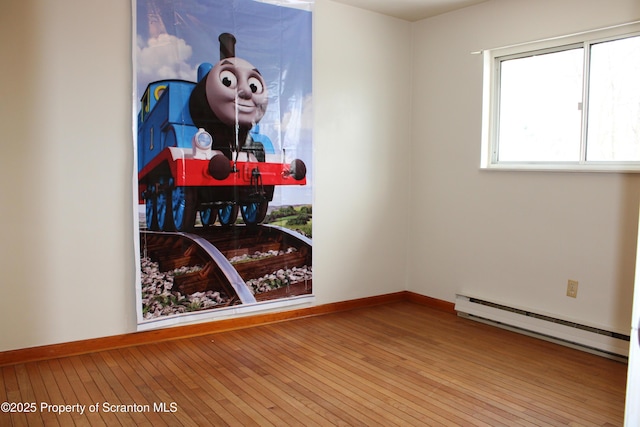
283 221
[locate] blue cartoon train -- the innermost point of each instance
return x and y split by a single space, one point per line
200 151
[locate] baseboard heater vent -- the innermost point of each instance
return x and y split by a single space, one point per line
588 338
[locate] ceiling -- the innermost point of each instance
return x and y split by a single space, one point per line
411 10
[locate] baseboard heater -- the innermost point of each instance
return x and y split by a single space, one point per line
599 341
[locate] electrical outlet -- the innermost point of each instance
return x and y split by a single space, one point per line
572 288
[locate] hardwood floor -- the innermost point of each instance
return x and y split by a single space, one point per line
394 364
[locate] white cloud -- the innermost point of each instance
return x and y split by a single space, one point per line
301 117
297 124
164 57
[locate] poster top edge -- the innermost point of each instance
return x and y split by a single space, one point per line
295 4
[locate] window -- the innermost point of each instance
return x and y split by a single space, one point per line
569 103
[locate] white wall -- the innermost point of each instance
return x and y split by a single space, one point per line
66 241
362 95
515 237
66 260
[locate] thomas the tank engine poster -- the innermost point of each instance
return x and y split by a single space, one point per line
223 148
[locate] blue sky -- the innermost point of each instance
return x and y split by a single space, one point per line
276 39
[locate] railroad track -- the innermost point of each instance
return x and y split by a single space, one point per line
214 267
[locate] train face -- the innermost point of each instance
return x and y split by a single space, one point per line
200 150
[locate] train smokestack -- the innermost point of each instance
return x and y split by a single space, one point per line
227 46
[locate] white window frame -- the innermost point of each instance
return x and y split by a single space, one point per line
491 91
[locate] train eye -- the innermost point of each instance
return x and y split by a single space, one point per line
228 79
255 85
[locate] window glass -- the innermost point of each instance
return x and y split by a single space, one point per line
539 117
613 123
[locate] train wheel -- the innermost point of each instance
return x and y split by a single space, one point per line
208 217
254 213
228 214
183 207
151 214
162 206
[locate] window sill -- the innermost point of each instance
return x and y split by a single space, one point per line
563 167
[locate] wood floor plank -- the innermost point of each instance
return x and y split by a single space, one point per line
374 396
354 360
300 374
142 387
209 371
28 396
396 364
230 403
480 356
150 386
166 386
235 379
38 393
70 394
95 396
400 386
13 395
54 393
231 350
91 373
390 379
137 391
191 377
317 396
82 394
254 369
445 382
